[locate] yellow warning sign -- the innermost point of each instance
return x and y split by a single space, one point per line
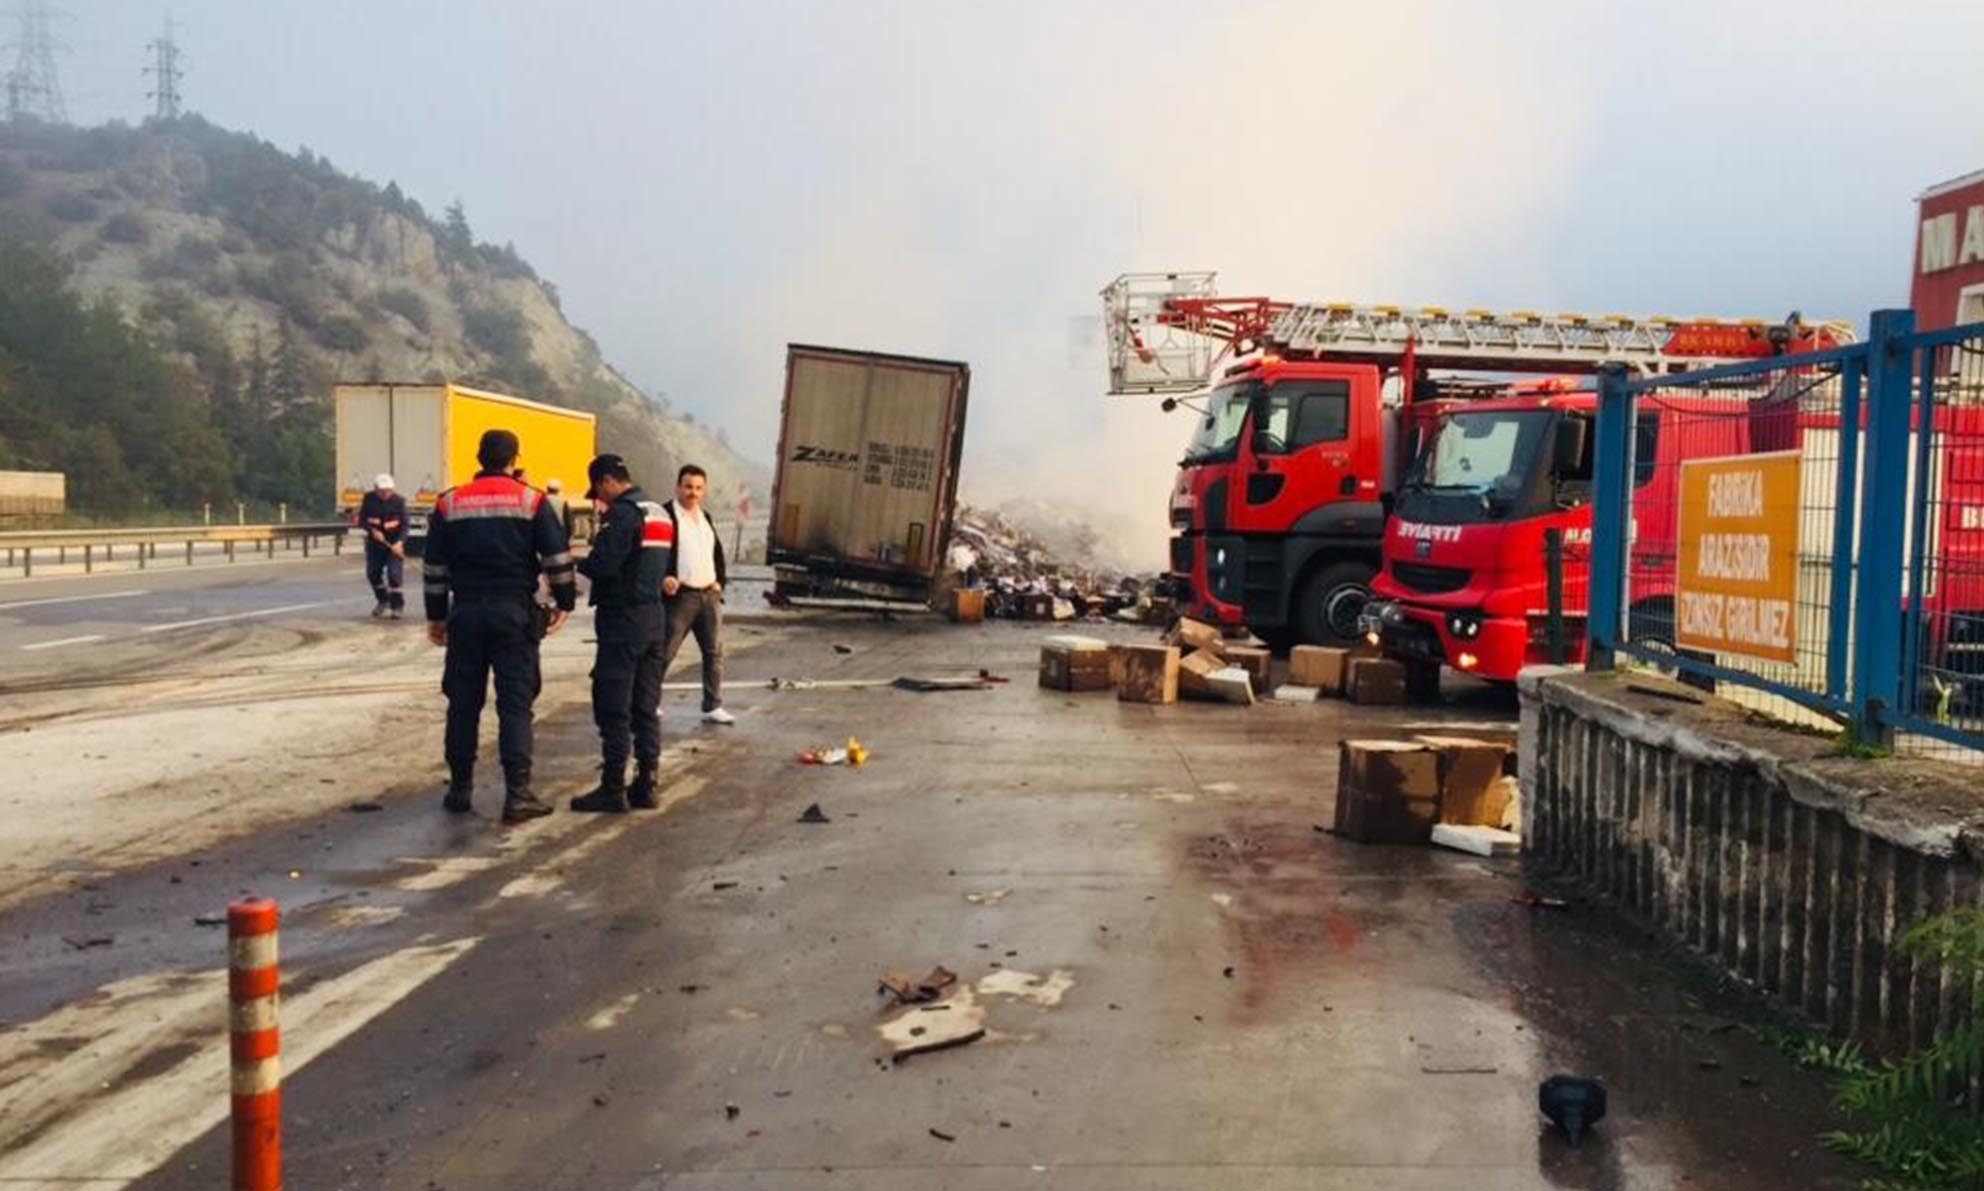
1736 582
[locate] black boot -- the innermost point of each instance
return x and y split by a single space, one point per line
641 795
461 788
520 805
610 796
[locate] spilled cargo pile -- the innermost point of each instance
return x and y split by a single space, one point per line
1006 572
1455 791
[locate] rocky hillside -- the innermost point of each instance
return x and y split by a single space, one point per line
260 277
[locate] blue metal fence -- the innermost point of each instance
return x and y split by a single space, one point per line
1885 633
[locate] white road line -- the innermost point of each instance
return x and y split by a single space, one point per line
62 642
83 1115
189 624
108 595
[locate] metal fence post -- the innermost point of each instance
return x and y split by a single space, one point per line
1877 619
1612 488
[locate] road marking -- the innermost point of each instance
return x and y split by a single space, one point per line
108 595
90 1116
191 624
62 642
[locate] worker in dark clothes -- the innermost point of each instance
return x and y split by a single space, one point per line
382 517
629 560
487 543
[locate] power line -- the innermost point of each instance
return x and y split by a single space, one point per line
165 68
31 86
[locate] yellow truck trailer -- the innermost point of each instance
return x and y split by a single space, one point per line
425 437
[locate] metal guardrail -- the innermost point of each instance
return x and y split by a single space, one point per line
23 549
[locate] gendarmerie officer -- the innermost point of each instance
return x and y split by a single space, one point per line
487 542
628 562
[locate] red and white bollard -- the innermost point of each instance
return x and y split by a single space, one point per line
253 980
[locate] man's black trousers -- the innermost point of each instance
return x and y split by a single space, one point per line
626 684
490 635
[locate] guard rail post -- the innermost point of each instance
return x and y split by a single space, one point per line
1877 618
255 1043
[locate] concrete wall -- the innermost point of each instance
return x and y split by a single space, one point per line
1793 868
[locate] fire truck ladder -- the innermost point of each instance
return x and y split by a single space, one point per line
1169 331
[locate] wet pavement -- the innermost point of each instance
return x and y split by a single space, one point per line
1212 991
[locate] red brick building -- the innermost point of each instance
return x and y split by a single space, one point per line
1949 254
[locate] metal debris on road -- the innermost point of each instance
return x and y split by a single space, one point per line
920 1029
842 648
210 920
813 814
940 1135
85 943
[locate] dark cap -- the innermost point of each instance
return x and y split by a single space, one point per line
498 449
603 466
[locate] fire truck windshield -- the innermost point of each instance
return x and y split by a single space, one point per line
1476 465
1217 435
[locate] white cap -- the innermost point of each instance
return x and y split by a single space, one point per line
383 481
554 484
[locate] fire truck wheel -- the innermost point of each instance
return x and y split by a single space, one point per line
1422 682
1327 607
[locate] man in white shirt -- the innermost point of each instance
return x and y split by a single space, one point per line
694 588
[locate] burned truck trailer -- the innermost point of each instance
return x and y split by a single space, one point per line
867 474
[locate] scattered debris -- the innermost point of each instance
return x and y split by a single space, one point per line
1045 991
84 943
990 897
599 1101
596 1057
988 676
731 1112
813 814
924 685
1459 1070
365 807
839 647
1227 972
920 1029
1709 1064
940 1135
209 920
1289 692
1480 841
917 992
855 754
1537 901
691 989
720 886
1573 1104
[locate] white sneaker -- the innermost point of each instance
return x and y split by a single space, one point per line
719 716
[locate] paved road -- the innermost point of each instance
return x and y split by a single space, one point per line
1224 996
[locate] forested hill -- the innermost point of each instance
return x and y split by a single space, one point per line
176 301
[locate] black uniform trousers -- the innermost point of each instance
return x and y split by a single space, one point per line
485 634
626 683
386 572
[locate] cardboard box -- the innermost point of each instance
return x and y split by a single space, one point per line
968 605
1189 634
1070 663
1258 663
1481 841
1288 692
1150 674
1387 791
1194 671
1376 682
1472 792
1036 605
1232 685
1319 666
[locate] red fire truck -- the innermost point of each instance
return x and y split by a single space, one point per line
1279 510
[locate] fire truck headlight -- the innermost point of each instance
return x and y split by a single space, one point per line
1464 625
1219 558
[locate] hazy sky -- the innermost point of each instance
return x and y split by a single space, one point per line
706 182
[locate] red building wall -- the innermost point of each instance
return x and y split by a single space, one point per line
1949 254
